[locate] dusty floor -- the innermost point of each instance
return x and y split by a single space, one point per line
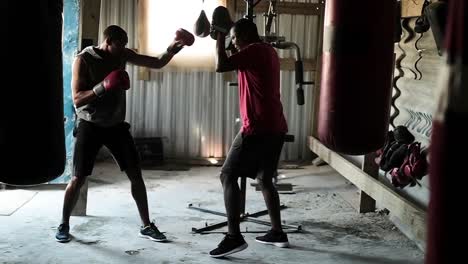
333 232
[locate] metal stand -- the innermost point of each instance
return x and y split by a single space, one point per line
243 217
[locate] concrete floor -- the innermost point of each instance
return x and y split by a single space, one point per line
321 203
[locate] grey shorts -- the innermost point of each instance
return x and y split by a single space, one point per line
254 156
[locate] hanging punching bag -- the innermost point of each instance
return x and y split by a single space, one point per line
357 66
449 143
32 147
201 28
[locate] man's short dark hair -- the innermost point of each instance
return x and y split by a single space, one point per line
114 32
246 30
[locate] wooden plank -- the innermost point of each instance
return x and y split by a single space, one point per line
280 187
411 8
406 211
366 202
284 8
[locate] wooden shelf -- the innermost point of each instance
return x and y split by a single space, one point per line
406 211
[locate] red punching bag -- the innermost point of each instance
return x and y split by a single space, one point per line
449 142
32 143
357 66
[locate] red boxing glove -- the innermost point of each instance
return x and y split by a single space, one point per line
184 37
116 80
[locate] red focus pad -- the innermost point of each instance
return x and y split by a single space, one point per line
185 37
357 66
221 21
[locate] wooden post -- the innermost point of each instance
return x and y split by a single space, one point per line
89 34
367 203
318 72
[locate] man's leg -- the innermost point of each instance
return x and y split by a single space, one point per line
270 150
72 193
138 190
71 197
275 236
233 241
272 201
87 145
232 199
123 148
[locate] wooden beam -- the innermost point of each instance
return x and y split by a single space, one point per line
284 8
409 214
318 74
143 72
288 64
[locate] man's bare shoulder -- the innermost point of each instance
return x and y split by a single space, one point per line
79 60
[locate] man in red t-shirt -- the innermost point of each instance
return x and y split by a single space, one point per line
257 147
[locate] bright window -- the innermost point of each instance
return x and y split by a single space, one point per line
159 19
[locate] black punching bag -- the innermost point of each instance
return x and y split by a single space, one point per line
449 142
32 143
357 67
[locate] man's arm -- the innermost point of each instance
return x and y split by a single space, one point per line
222 61
182 38
149 61
81 95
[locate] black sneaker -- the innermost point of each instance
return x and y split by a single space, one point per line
279 239
230 244
151 232
63 233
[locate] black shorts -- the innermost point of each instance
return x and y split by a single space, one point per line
91 137
254 156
